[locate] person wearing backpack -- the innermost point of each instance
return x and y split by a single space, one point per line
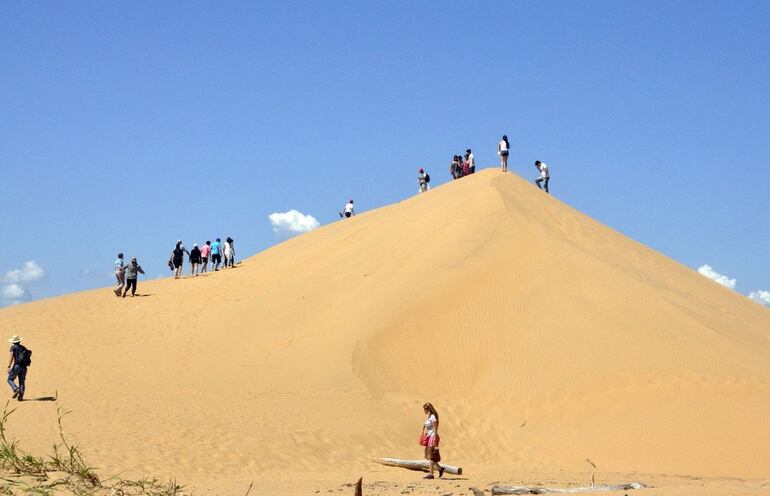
132 272
423 178
20 358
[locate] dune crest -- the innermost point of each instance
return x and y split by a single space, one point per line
542 336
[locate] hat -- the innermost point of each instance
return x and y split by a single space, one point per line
422 170
195 245
15 339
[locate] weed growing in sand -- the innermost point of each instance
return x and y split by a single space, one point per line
31 475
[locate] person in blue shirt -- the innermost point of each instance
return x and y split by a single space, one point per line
120 274
216 253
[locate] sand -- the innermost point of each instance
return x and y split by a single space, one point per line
543 338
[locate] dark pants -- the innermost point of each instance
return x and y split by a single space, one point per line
543 180
21 373
130 283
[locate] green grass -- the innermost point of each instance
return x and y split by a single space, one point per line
27 474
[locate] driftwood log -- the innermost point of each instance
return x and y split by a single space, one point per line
359 487
418 465
550 490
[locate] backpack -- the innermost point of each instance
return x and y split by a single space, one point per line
23 356
427 177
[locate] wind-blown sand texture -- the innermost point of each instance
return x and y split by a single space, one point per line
544 339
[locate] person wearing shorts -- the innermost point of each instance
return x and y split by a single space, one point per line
429 438
216 255
348 211
177 259
502 150
205 252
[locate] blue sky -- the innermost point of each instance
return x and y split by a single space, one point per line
127 125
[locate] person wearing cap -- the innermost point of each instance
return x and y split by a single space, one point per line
18 362
133 270
423 178
195 259
120 275
348 210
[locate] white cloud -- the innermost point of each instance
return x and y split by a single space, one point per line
29 272
715 276
761 297
12 292
292 222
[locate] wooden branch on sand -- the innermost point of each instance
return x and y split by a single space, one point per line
548 490
418 465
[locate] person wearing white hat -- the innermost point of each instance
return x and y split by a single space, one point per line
20 358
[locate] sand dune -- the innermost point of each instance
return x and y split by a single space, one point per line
542 337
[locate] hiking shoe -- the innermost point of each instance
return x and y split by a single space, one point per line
440 472
428 477
117 292
21 397
15 393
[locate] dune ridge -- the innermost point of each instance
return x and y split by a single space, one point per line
542 336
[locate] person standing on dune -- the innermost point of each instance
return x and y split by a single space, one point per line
471 161
544 175
502 150
229 252
195 259
19 360
120 275
430 439
423 179
133 270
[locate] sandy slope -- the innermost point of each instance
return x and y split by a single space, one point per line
543 338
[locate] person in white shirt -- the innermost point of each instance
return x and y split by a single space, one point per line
430 439
544 175
348 210
471 161
423 178
502 150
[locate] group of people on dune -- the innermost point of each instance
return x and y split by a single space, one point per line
218 252
465 165
199 257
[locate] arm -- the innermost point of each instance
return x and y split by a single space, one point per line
10 360
139 269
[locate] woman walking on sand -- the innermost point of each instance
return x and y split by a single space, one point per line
177 259
502 150
195 259
133 270
229 252
429 438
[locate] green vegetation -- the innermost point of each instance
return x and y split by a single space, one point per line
64 471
